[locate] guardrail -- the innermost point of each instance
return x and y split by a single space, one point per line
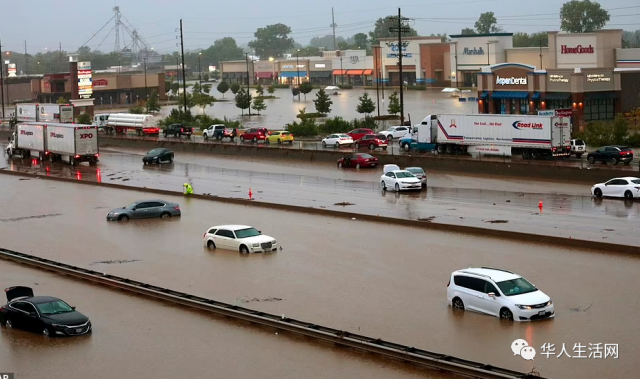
373 345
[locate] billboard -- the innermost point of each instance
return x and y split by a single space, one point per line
85 85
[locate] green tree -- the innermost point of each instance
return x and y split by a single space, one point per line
243 100
322 102
631 40
521 39
62 100
305 88
326 42
167 85
224 49
309 51
381 30
260 90
394 104
84 119
190 102
136 110
205 77
235 87
366 105
153 105
295 91
271 89
259 105
487 23
272 41
201 97
175 87
223 87
582 16
467 32
620 130
361 40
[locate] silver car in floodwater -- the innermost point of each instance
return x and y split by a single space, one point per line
145 209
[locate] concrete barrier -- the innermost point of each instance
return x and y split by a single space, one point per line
594 246
440 163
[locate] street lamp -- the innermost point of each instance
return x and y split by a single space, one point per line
146 92
273 69
298 72
200 68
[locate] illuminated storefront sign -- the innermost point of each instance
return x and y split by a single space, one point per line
510 81
558 79
593 78
85 86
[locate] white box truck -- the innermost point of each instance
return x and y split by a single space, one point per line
528 135
72 143
27 140
142 124
33 112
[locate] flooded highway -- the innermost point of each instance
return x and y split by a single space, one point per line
138 338
503 204
377 280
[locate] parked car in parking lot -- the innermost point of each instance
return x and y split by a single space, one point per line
372 141
613 154
254 135
627 187
356 134
337 140
242 238
499 293
400 180
145 209
280 137
578 147
158 156
396 132
358 160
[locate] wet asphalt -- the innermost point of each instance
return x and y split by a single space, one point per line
568 210
378 280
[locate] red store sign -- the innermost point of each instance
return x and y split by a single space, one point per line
100 83
564 49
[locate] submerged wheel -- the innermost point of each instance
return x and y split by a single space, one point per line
165 215
244 249
597 192
211 244
123 218
457 303
506 314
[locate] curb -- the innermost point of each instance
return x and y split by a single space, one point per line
462 229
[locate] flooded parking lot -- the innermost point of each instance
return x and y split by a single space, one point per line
362 277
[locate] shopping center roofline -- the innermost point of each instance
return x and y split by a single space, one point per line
488 69
481 35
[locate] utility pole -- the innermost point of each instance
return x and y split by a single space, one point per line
333 25
541 68
146 92
60 58
298 74
400 29
184 78
246 57
2 78
26 59
378 91
199 69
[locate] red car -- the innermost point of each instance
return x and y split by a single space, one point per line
358 160
254 134
356 134
372 141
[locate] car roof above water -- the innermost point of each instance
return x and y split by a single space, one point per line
231 227
497 275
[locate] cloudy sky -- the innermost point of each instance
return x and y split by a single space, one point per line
45 23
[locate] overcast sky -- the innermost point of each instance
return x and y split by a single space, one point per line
45 23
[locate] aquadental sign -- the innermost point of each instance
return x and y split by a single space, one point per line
510 81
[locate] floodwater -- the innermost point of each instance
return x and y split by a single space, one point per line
135 337
378 280
283 110
504 204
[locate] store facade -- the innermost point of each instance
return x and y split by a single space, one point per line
321 72
238 71
265 72
469 53
293 71
414 67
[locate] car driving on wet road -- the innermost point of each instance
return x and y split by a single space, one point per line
158 156
242 238
47 315
400 180
627 187
499 293
145 209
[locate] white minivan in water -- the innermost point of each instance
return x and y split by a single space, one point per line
499 293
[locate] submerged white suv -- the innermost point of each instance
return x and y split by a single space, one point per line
499 293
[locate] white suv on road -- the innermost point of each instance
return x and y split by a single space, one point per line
499 293
395 132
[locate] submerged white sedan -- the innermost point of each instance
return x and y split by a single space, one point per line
400 180
242 238
627 187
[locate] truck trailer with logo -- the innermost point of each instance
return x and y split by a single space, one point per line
122 123
33 112
531 136
72 143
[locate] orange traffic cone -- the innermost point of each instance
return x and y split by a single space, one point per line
250 194
540 205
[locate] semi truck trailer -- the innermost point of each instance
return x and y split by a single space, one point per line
531 136
122 123
33 112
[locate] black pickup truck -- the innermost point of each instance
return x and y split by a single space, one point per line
178 130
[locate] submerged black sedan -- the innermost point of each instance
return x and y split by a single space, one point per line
47 315
158 156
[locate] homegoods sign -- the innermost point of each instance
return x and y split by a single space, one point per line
510 81
564 49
